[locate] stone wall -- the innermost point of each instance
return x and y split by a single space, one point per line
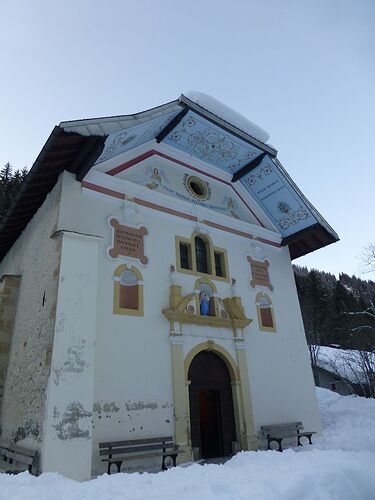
35 258
9 287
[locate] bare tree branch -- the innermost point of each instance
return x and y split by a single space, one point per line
367 258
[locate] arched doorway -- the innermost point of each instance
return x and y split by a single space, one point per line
211 406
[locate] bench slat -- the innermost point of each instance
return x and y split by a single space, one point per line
134 442
23 451
294 425
8 467
4 445
280 428
133 449
141 455
281 432
281 435
18 457
287 424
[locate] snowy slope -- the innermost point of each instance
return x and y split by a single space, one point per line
339 466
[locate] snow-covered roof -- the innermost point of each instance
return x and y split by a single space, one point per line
228 114
345 363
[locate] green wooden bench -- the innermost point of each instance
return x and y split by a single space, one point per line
15 459
115 452
278 432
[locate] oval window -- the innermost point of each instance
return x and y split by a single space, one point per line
197 188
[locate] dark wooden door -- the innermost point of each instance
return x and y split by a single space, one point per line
211 406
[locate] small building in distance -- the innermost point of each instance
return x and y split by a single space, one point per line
147 288
345 371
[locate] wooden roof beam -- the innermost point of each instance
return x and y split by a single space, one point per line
171 125
248 167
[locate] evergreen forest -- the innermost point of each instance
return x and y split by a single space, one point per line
336 311
10 182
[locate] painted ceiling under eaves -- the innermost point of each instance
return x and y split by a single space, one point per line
200 138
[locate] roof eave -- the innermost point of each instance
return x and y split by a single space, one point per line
308 240
76 154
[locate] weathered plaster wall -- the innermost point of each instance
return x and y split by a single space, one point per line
34 257
9 287
68 418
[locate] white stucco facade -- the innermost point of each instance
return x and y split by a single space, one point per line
90 374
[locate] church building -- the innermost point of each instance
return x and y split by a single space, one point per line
147 289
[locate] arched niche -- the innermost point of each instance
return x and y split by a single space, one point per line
128 291
206 297
266 317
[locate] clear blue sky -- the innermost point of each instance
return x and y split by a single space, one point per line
303 70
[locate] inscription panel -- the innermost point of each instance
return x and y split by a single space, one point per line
128 241
259 273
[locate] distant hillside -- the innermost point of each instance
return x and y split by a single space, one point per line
333 309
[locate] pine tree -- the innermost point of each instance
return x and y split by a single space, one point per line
10 183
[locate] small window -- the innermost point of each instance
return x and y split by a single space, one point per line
185 256
197 187
333 386
201 257
198 256
219 264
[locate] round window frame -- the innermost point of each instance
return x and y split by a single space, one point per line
203 185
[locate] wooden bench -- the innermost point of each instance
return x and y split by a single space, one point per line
280 431
15 459
115 452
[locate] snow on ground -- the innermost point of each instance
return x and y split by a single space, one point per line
348 422
339 466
